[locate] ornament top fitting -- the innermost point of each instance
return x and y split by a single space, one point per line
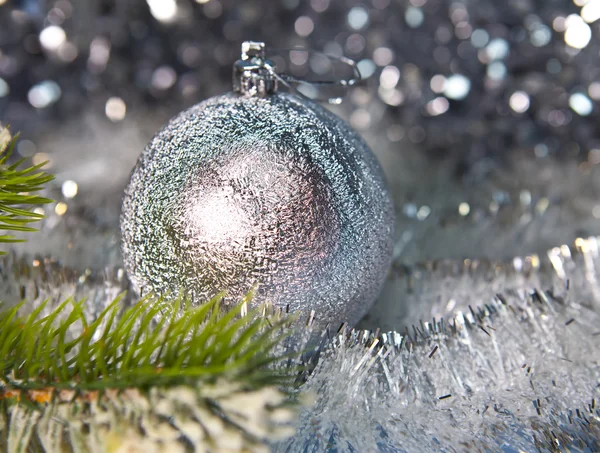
254 74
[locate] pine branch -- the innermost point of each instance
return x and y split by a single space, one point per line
17 191
133 349
155 367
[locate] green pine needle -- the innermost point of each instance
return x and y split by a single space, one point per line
206 375
17 191
133 350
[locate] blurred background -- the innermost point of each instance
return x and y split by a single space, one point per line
483 113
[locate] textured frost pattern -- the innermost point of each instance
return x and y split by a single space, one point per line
275 191
517 371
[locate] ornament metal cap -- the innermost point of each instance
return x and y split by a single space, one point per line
254 74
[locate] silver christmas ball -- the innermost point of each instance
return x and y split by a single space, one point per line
273 191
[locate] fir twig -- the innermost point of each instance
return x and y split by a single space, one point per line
17 191
160 375
130 350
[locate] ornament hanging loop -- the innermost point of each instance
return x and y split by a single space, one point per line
254 74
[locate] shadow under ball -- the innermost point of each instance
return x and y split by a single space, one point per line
273 191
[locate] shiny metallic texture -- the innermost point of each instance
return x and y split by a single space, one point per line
275 191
